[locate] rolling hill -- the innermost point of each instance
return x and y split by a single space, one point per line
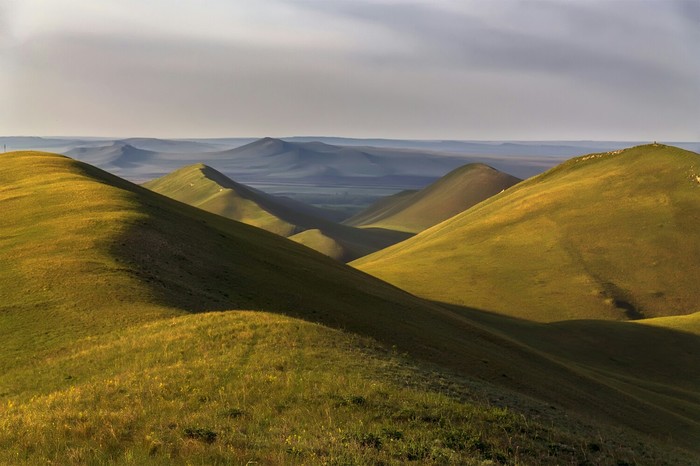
119 155
604 236
202 186
109 357
445 198
269 159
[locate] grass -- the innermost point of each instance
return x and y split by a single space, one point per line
604 236
99 281
453 193
203 187
215 389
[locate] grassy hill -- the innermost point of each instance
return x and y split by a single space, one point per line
215 388
106 357
454 193
202 186
604 236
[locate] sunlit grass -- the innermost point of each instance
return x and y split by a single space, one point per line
604 236
102 361
240 386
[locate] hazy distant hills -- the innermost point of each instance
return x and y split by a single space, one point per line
317 162
604 236
343 174
519 158
202 186
102 282
450 195
118 155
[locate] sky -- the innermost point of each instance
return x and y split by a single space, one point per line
438 69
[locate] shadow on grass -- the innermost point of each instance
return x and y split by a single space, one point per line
195 261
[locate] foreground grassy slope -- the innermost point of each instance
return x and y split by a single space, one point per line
453 193
88 260
603 236
203 187
215 389
82 249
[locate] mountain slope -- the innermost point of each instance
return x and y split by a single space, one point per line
92 265
450 195
204 187
214 388
604 236
119 154
384 206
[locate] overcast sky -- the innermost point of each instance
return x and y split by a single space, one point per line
438 69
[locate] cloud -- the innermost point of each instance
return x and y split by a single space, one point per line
443 69
575 40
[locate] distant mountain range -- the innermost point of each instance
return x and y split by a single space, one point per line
519 158
341 174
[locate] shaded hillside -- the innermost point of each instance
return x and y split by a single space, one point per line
453 193
345 243
384 206
92 265
604 236
203 187
186 389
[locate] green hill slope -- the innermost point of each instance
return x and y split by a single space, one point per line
603 236
215 388
453 193
203 187
101 361
82 248
383 207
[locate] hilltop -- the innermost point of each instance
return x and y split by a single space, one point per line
603 236
453 193
107 356
204 187
119 155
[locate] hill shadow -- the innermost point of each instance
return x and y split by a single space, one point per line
196 261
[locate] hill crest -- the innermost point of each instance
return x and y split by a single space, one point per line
206 188
455 192
606 235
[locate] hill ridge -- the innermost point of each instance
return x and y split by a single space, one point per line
302 223
567 242
451 194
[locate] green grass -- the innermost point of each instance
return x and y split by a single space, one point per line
605 236
689 323
215 389
453 193
205 188
98 282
